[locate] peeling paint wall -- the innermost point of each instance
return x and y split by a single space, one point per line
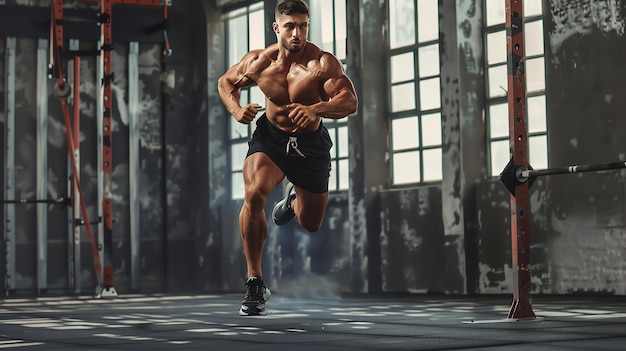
412 244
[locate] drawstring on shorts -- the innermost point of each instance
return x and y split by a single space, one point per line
292 143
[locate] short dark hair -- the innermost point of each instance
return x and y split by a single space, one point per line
289 7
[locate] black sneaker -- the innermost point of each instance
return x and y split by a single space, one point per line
282 212
256 295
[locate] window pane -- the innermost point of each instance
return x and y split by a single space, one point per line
533 38
429 60
427 20
244 96
402 67
333 138
327 20
332 181
498 81
257 30
532 8
340 29
344 174
237 39
538 152
342 136
316 27
536 109
431 130
496 47
535 74
257 96
403 97
430 94
238 130
237 155
500 156
432 165
496 11
402 23
238 189
498 120
405 133
406 167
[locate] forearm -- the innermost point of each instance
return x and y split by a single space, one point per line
340 106
229 94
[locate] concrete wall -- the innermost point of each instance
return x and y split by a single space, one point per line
450 237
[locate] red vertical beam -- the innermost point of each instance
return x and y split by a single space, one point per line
75 252
107 159
520 201
57 17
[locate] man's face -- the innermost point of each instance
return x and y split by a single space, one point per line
291 31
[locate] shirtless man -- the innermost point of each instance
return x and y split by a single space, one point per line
301 84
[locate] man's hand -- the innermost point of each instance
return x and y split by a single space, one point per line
301 115
247 113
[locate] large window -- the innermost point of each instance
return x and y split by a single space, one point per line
496 82
245 31
415 94
328 31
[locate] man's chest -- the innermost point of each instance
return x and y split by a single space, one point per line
296 83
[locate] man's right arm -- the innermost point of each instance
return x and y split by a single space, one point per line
229 86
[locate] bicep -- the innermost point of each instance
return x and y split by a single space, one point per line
237 75
336 80
333 86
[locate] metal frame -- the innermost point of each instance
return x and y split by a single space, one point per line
518 139
9 186
74 233
133 160
42 164
103 262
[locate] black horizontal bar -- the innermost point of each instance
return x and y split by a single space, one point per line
60 200
130 23
572 169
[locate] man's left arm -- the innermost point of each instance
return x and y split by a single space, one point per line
339 88
341 97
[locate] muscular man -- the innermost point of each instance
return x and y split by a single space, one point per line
301 84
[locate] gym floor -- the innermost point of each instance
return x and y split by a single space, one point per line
361 322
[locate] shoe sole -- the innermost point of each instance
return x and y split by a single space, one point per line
266 296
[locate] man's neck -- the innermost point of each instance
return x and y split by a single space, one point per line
287 56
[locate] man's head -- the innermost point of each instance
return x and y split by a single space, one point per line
290 7
292 24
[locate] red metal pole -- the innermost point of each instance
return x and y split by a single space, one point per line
107 157
520 202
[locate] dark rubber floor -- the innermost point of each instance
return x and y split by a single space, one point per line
211 322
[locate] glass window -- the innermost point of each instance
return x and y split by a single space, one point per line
401 23
402 67
497 85
415 91
406 167
406 131
430 123
403 97
328 30
245 30
429 60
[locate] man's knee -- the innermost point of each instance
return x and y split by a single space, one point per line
255 200
309 225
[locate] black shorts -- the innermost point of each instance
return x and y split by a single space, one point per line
304 158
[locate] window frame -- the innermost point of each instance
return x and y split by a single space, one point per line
418 111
